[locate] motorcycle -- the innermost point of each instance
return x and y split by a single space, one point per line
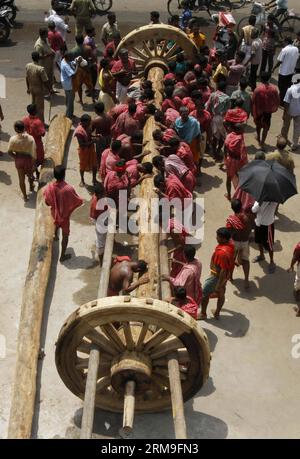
63 6
10 7
5 24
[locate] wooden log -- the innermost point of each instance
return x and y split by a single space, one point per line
28 347
90 394
149 242
94 359
129 404
164 267
176 396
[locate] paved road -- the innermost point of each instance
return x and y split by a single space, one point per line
252 391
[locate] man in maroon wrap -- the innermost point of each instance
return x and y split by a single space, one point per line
63 200
36 128
235 156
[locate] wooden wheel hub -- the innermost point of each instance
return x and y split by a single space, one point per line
131 366
156 46
137 350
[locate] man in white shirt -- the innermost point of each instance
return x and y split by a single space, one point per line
264 230
61 25
109 28
255 58
292 112
287 61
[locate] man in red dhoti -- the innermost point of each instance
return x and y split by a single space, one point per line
221 266
172 188
235 156
189 275
109 158
116 181
174 165
236 114
265 101
22 148
184 302
86 150
181 149
36 128
126 123
138 172
63 200
101 124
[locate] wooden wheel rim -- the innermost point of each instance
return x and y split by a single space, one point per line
149 43
72 349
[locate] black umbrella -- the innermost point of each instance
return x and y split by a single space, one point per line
267 181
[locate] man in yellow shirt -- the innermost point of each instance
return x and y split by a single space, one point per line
281 155
196 36
222 68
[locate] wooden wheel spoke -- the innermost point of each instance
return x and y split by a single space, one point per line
81 364
165 373
100 340
147 49
128 336
104 369
84 347
171 51
113 336
140 341
102 383
140 53
163 49
172 59
139 61
183 359
165 348
156 339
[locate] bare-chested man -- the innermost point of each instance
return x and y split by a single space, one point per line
121 275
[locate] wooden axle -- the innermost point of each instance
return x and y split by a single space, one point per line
29 334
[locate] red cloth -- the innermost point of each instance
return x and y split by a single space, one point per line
35 127
191 307
132 170
206 92
125 124
174 103
188 102
176 189
223 257
55 40
117 110
175 165
185 153
246 199
119 259
265 99
189 277
236 153
178 255
171 116
236 222
94 212
204 119
108 162
87 154
297 252
236 115
24 163
168 134
170 76
112 45
63 200
125 78
113 184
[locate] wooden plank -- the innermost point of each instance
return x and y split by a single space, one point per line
90 394
129 404
28 347
176 397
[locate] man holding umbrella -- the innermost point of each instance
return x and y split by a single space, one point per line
269 183
264 230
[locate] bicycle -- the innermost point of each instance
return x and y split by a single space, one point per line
174 6
288 23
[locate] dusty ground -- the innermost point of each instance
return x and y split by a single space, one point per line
252 391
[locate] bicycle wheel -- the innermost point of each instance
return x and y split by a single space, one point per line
236 4
218 5
243 22
102 6
174 7
289 27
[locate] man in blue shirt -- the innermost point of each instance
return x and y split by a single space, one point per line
67 70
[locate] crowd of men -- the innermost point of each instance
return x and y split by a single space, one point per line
206 107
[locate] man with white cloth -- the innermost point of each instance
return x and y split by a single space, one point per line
61 25
287 61
292 111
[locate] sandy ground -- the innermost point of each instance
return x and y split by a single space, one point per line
252 391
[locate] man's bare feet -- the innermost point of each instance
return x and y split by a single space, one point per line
297 311
227 196
272 268
65 257
82 184
25 198
55 238
202 316
246 284
215 314
258 258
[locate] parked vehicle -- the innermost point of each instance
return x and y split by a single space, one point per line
175 7
10 7
102 6
5 24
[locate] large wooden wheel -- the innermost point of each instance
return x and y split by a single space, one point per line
149 46
135 336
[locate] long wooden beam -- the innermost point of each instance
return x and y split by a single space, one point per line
28 347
